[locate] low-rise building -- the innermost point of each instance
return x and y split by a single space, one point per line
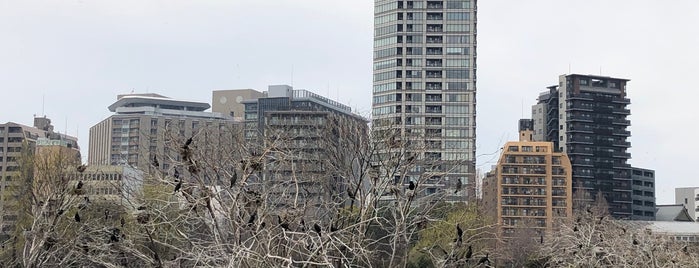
643 194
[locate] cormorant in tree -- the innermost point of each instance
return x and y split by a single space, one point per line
411 185
469 253
177 187
635 242
575 228
60 212
284 225
79 185
458 187
141 208
234 178
459 234
122 221
176 174
333 228
76 217
81 168
685 250
316 227
155 161
484 260
114 237
541 239
262 225
350 193
187 143
251 220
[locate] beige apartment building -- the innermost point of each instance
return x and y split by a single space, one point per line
530 187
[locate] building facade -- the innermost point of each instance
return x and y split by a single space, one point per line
689 197
18 141
301 133
530 187
229 102
643 195
585 116
424 84
147 125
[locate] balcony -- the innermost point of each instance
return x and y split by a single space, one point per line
622 111
577 106
621 100
579 118
622 122
624 133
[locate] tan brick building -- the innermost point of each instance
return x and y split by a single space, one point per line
530 187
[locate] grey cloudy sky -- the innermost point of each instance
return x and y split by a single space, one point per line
79 55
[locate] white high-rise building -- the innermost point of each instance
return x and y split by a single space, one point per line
425 82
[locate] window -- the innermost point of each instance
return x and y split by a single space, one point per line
457 51
458 74
457 39
457 63
458 16
458 28
458 4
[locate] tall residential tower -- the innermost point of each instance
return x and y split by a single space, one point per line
425 82
585 116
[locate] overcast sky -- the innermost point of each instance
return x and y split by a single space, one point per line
78 55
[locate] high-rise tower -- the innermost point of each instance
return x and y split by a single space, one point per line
585 116
425 82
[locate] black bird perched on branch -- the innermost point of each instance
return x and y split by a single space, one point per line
141 208
176 174
469 253
251 220
155 161
316 227
234 178
81 168
79 185
411 186
350 193
484 260
283 224
458 187
634 242
459 234
76 217
541 239
575 228
187 143
177 187
333 228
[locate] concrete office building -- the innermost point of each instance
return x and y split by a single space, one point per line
424 84
17 141
585 116
146 125
689 197
300 131
643 195
530 187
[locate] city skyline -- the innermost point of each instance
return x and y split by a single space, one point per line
78 56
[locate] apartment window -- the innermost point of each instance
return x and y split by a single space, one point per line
463 4
458 39
457 51
458 74
458 16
